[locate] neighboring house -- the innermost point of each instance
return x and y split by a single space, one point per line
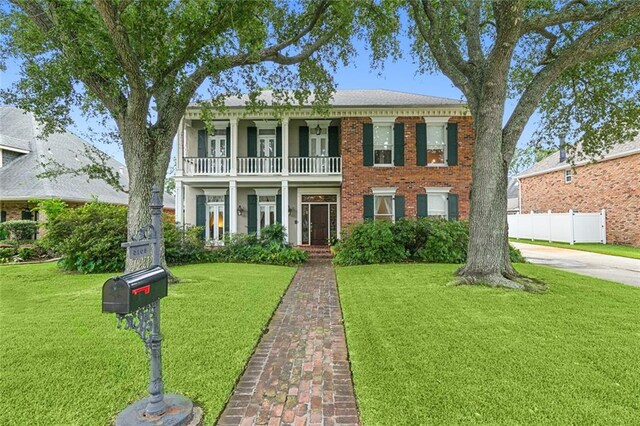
377 154
611 183
513 196
22 155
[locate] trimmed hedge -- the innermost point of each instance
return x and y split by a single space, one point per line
19 230
408 240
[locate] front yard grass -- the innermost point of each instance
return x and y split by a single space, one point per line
426 353
610 249
64 362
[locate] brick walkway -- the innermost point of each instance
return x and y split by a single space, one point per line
299 374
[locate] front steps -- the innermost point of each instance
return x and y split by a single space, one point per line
317 252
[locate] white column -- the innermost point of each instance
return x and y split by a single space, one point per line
179 202
233 207
285 205
573 229
285 147
233 122
603 226
179 152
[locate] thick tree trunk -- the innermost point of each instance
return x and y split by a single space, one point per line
147 163
488 251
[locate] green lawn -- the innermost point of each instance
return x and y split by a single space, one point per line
63 362
610 249
425 353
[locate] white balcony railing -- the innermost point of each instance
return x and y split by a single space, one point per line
259 165
207 165
315 165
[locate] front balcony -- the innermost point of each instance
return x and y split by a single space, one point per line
262 166
315 165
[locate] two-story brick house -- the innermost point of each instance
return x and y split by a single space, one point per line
377 154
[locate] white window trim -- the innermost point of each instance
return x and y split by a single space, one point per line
384 121
436 122
215 192
439 190
570 176
324 125
266 125
266 192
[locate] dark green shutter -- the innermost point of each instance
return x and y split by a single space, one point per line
368 207
421 144
252 214
3 216
334 141
367 144
202 143
252 142
398 144
279 208
303 141
399 206
228 147
201 213
226 213
452 144
453 206
422 206
278 141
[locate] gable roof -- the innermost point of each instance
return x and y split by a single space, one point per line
19 181
552 162
360 98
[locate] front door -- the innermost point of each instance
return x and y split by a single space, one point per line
319 224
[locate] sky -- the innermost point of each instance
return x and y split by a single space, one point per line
400 75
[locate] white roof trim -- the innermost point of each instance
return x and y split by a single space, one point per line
579 163
436 120
383 120
10 148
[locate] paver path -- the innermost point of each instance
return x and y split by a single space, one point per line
613 268
299 374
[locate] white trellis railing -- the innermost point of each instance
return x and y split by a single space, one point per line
315 165
571 227
207 165
259 165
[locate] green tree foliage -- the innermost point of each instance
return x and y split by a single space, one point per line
20 230
140 63
524 158
576 63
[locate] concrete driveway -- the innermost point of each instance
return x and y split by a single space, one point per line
613 268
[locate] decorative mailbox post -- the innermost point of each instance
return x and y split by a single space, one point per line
135 299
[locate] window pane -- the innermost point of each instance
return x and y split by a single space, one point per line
382 136
382 156
383 205
220 132
437 205
435 156
436 143
220 224
305 223
267 132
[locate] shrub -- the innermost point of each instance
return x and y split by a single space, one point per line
270 248
182 245
3 233
27 253
89 237
370 242
7 253
446 242
515 256
274 233
51 207
20 229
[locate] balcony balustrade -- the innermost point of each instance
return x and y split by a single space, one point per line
259 165
207 166
215 166
315 165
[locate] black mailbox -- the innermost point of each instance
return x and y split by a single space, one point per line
127 293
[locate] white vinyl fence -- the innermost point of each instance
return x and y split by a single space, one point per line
568 227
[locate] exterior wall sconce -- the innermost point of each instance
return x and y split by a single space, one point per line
240 210
318 130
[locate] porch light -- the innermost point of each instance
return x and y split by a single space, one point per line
318 130
240 210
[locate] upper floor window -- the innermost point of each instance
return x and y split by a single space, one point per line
218 143
318 138
568 177
383 144
267 142
436 144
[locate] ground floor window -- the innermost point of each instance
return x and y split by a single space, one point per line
437 205
266 211
383 208
215 219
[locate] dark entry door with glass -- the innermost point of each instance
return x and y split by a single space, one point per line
319 224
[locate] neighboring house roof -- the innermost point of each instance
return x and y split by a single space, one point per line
19 181
361 98
552 162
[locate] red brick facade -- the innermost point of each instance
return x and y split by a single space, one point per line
613 185
410 179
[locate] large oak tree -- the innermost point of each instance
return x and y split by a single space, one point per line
576 62
141 63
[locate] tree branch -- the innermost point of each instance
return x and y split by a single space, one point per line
564 15
583 49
